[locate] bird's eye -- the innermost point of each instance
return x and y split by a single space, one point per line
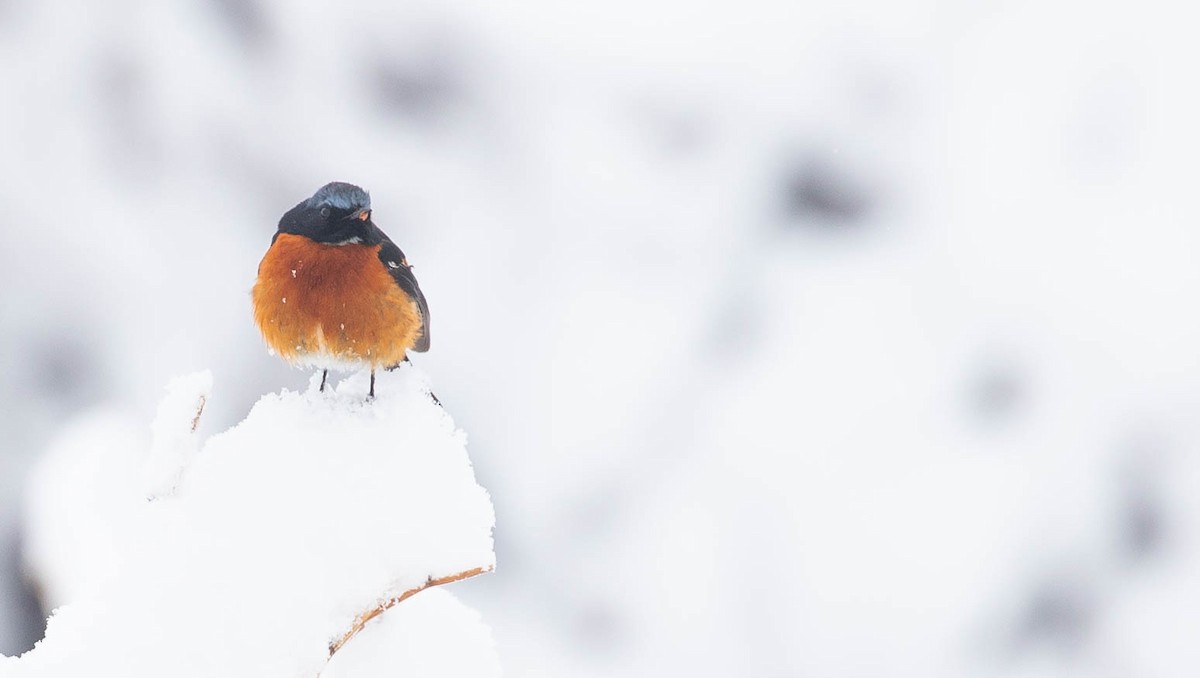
324 211
364 215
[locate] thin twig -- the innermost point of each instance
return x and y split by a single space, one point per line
361 620
199 411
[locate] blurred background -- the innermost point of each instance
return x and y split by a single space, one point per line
792 339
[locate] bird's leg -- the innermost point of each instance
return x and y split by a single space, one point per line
324 374
371 393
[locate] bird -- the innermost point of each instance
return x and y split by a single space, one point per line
334 292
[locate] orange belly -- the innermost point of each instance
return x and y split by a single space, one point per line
332 306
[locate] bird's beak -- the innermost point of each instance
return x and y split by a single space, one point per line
362 215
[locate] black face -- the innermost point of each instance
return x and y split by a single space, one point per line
337 214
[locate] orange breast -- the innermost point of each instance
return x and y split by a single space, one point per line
326 305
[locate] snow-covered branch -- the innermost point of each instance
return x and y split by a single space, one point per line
360 622
264 550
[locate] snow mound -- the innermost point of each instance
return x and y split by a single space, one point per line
251 554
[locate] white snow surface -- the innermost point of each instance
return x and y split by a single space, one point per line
280 532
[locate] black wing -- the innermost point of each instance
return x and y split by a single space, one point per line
397 265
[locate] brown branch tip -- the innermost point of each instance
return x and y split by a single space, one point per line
361 620
199 411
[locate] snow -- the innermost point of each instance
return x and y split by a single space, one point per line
78 497
279 532
174 441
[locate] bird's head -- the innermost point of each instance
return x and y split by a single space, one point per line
337 214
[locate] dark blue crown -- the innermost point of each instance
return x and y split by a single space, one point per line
342 196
